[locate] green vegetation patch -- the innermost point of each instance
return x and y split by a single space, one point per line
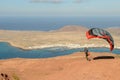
15 77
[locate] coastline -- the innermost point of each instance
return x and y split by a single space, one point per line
74 66
69 46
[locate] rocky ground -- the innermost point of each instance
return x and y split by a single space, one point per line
103 66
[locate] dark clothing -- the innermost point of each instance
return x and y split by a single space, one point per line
86 53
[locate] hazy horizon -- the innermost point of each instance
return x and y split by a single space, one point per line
52 14
53 23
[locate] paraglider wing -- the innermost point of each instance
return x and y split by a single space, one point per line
100 33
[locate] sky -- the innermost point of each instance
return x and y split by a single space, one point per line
59 7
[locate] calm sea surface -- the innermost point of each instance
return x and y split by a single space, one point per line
7 51
53 23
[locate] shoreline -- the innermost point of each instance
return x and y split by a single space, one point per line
69 46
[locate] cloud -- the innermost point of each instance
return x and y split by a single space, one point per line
79 1
46 1
57 1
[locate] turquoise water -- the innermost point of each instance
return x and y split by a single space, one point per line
7 51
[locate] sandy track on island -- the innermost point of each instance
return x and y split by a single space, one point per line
69 67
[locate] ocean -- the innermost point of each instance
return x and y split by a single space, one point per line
53 23
47 24
7 51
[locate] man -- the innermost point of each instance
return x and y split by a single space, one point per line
87 54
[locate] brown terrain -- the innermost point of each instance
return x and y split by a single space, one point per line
103 66
69 67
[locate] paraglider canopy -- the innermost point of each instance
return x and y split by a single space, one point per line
100 33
